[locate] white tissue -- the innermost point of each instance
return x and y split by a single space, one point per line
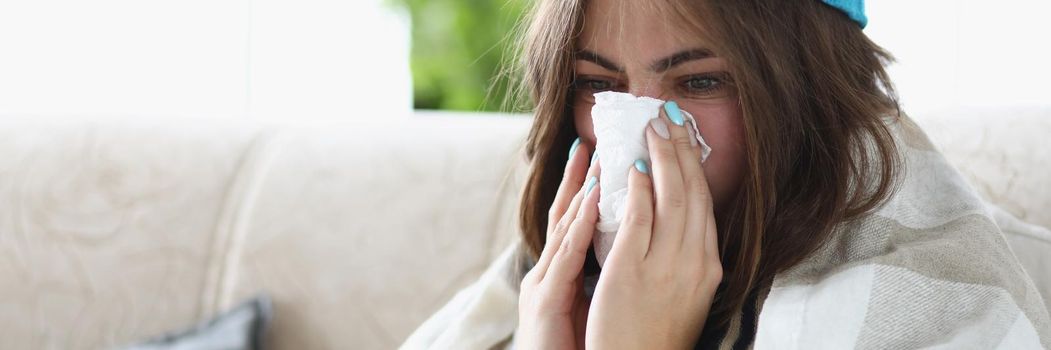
620 122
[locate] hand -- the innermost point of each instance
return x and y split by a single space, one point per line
657 284
552 310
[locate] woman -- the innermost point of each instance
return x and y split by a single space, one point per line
822 217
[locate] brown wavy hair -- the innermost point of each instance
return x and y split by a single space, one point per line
816 102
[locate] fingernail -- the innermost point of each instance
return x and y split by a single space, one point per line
640 165
591 184
593 157
573 148
672 109
662 129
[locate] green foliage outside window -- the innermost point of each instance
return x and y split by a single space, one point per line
458 51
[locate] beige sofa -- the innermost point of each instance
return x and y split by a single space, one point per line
113 230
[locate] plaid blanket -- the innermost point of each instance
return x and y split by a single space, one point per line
929 269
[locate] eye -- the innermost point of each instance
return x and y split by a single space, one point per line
701 83
598 85
590 84
705 85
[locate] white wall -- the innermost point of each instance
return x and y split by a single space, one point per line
966 53
203 58
321 58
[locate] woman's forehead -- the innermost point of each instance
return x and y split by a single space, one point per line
633 32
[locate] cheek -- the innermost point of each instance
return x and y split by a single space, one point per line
582 121
722 127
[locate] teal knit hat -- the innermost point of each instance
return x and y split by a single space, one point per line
855 9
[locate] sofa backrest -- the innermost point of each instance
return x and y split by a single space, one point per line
115 230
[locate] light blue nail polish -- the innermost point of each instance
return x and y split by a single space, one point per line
593 157
640 165
591 184
573 148
672 109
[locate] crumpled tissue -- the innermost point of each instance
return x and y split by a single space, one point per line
620 121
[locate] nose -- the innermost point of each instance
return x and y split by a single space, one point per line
648 89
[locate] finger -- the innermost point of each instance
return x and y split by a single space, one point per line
711 243
698 195
561 227
567 263
554 239
670 205
633 237
572 180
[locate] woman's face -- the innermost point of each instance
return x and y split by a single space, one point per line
624 49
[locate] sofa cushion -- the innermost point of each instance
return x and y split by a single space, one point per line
240 328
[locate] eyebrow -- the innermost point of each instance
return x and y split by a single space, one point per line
658 66
599 60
